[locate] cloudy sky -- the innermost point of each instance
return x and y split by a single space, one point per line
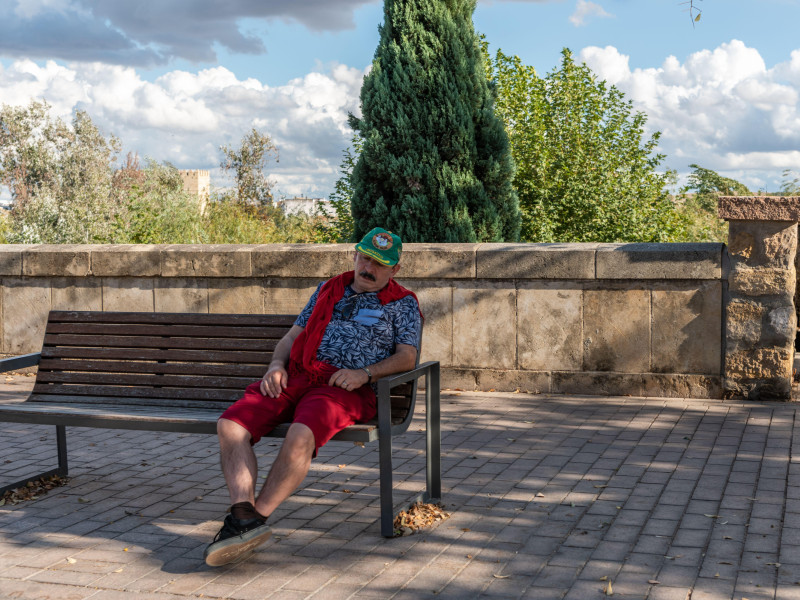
175 79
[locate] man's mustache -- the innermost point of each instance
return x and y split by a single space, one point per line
366 275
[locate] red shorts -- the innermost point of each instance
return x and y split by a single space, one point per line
324 409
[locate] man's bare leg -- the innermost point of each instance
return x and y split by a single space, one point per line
289 469
241 532
238 461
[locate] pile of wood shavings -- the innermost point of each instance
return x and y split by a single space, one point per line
32 490
419 516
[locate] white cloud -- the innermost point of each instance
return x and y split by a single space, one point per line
184 117
722 109
585 10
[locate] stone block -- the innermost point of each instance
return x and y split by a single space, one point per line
659 261
687 327
531 382
549 326
484 323
453 378
436 303
76 293
438 261
616 330
57 261
759 208
759 363
11 259
287 296
743 322
781 326
596 384
762 244
236 296
26 303
198 260
536 261
321 261
128 294
780 248
188 295
126 260
762 281
681 385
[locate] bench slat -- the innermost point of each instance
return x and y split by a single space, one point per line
61 316
143 380
154 368
112 402
166 330
171 418
68 339
133 392
212 356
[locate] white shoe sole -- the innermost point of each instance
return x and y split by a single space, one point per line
227 551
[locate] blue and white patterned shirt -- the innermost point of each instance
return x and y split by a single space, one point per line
362 331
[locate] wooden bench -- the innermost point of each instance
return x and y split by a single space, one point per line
178 372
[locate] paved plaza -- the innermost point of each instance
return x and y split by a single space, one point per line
570 497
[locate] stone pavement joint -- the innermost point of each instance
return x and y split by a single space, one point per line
551 497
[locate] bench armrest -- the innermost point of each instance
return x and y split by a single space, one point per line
20 362
406 376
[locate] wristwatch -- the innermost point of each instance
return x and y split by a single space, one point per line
369 375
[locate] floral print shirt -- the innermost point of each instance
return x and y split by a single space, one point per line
362 331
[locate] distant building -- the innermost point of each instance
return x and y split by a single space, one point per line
197 182
301 205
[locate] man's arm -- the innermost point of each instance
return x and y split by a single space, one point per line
276 378
403 359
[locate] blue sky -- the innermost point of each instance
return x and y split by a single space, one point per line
174 79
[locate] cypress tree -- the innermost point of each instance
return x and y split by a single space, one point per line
435 165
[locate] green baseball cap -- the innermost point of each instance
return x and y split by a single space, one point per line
384 246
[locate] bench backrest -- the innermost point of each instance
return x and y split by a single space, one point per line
195 360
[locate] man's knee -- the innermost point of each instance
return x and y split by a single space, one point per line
300 439
231 431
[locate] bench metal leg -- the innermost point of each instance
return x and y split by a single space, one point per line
385 464
433 443
62 470
433 431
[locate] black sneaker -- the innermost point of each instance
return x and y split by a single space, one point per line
236 538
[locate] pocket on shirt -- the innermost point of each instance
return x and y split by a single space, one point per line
368 316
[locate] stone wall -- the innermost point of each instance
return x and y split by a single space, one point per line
761 322
639 319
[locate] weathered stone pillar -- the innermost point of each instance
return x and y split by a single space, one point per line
760 316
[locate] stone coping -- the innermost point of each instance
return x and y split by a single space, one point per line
759 208
425 261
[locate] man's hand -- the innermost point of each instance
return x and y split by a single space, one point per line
349 379
274 380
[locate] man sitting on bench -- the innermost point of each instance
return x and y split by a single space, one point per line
356 328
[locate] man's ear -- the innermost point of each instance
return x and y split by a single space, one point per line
395 269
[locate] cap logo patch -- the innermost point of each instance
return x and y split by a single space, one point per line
382 241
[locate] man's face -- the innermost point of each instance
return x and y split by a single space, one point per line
370 275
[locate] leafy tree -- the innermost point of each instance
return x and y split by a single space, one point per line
709 185
697 203
790 186
153 207
585 170
65 189
336 224
435 164
59 175
248 163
